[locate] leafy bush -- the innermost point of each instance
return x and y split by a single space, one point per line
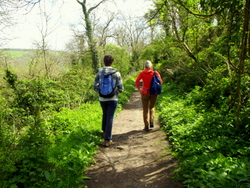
216 93
77 86
129 87
122 58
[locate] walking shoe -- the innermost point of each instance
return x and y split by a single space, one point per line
151 123
107 143
146 128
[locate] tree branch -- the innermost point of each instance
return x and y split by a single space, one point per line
94 7
183 44
179 2
155 14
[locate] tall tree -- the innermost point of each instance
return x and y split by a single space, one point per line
245 42
89 31
215 34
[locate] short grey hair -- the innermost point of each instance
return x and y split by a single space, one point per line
148 64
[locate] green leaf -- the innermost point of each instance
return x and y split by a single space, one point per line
50 176
13 186
87 178
47 175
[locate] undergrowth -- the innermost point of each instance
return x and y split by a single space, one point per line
41 147
211 153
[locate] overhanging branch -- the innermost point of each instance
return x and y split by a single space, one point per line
196 14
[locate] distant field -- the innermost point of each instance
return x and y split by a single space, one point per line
15 53
20 52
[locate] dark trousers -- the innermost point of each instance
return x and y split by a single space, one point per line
108 112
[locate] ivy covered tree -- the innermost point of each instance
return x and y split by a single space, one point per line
89 31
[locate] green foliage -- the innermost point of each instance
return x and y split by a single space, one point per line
122 58
76 134
77 86
11 78
58 151
216 93
205 30
129 87
161 51
210 152
173 63
43 143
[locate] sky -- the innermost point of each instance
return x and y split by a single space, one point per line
27 32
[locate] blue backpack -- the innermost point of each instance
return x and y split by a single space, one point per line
155 85
107 86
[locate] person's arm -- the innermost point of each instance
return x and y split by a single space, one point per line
119 82
137 81
159 76
96 82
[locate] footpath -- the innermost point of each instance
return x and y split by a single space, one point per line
137 158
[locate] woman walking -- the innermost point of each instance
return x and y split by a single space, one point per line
148 100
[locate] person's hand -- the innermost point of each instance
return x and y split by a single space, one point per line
140 90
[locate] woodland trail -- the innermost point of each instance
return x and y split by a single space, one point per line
137 158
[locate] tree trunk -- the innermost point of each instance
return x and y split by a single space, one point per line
243 52
89 33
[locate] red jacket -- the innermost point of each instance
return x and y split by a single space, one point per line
146 77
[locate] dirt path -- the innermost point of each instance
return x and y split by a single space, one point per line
137 158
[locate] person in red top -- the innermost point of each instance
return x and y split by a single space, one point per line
148 101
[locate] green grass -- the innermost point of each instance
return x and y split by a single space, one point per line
15 53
